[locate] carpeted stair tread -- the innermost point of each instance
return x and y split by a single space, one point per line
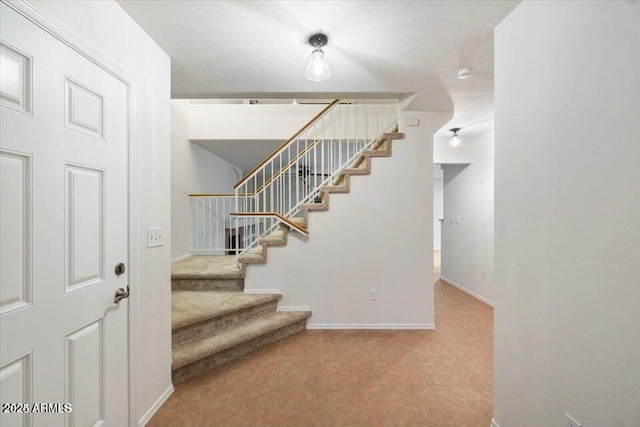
299 221
252 259
331 188
276 238
207 267
254 256
320 207
191 307
198 349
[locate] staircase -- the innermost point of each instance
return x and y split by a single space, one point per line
362 166
213 320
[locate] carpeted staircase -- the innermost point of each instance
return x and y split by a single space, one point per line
213 320
362 166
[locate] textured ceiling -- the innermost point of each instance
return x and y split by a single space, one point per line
247 49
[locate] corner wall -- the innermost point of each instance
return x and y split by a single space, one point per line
379 236
438 209
193 170
105 26
567 318
467 245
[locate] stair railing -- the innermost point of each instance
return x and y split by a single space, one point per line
292 175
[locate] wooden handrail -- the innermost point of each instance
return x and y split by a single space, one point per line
287 166
277 215
295 135
222 195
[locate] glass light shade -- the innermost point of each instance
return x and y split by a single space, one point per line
318 69
455 141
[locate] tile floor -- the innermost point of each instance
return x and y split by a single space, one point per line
441 377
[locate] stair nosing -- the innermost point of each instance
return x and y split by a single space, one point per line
207 276
251 303
210 351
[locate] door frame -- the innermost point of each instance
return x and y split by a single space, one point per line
55 29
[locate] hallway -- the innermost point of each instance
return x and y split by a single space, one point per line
441 377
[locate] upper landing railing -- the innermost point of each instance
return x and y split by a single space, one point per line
290 177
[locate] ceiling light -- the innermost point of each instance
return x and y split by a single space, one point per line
318 69
464 73
455 138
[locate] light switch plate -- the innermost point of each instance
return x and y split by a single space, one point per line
155 237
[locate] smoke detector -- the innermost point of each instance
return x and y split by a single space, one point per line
464 73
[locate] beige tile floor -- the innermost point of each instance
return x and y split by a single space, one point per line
440 377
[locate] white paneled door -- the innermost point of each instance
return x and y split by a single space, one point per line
64 229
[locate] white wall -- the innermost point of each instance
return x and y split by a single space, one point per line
107 28
467 244
248 121
567 319
193 170
364 243
279 122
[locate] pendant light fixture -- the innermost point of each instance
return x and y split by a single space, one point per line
318 69
455 138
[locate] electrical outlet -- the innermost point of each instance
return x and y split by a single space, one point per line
413 121
457 220
155 237
452 220
570 422
373 295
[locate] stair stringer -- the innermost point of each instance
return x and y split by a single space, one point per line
362 166
378 236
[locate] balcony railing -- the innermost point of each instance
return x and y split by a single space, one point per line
290 177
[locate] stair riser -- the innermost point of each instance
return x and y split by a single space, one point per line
377 154
207 284
213 361
211 326
273 243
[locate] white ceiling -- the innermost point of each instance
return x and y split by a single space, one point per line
258 49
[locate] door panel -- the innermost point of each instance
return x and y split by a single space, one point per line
15 239
84 374
64 192
84 229
15 386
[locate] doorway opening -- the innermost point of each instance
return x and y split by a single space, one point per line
438 218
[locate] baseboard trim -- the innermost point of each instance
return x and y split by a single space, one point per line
371 326
262 291
466 290
181 257
494 423
294 308
156 405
